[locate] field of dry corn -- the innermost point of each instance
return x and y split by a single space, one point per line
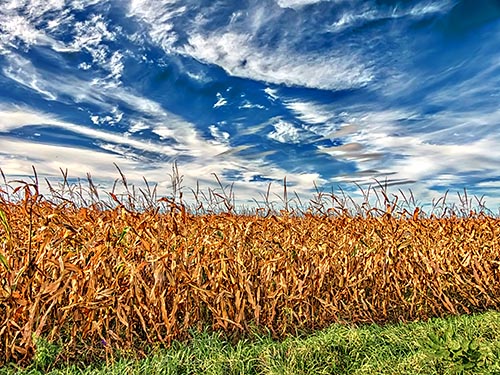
100 280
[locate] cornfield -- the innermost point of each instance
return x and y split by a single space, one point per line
102 279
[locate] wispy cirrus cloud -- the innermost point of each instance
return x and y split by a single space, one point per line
235 47
236 53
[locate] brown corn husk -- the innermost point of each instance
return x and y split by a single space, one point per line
99 280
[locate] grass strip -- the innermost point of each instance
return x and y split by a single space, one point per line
467 344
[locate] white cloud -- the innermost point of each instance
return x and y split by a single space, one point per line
31 22
271 93
49 158
221 101
237 48
431 7
107 98
91 33
379 143
116 65
360 13
84 66
17 118
23 72
35 22
236 54
296 4
18 156
138 126
246 105
17 27
310 112
114 117
218 135
284 132
158 15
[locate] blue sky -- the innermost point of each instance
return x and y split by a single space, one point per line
323 92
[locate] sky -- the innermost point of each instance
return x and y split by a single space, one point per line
329 94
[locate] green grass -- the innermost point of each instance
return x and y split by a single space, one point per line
456 345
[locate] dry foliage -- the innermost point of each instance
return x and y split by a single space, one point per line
99 279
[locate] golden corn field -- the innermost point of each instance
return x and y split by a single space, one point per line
105 279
